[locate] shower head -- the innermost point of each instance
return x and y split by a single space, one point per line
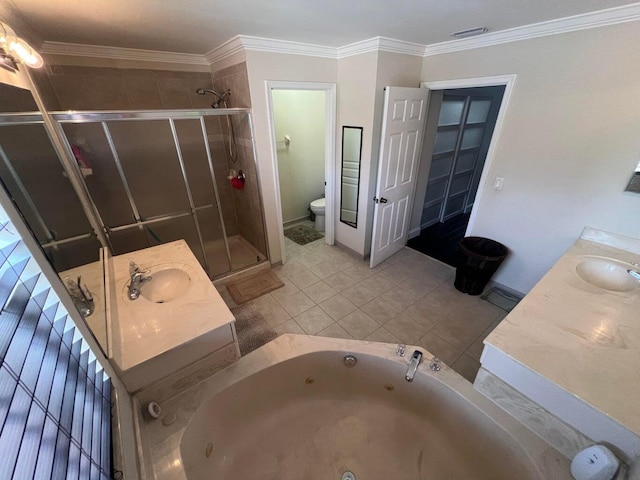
221 97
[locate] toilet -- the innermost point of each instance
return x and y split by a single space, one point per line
317 207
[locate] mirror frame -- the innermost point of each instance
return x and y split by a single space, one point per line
361 129
634 182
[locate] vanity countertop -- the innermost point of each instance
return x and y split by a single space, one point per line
582 338
148 329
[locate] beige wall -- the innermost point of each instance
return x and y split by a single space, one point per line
299 114
568 145
356 93
361 82
274 66
393 70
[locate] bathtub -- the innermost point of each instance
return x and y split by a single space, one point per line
293 410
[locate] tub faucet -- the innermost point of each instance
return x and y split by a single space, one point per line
416 359
137 280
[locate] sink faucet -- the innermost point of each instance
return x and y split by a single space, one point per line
137 280
81 296
416 359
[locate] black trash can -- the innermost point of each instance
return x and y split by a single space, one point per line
478 260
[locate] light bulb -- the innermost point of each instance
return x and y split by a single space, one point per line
24 52
3 34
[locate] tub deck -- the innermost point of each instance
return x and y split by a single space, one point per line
292 410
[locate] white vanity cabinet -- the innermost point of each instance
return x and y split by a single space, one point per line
179 319
572 345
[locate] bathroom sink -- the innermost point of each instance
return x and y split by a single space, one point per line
166 284
609 274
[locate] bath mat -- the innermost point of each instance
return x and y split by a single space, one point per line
252 329
253 287
501 299
301 234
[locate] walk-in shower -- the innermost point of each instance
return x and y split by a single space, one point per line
150 177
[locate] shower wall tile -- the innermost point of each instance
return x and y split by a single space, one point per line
174 93
71 92
247 200
234 78
45 89
14 99
142 91
104 93
96 88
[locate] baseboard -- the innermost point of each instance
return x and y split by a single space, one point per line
414 232
509 290
350 251
288 223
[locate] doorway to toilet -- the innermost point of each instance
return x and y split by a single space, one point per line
302 117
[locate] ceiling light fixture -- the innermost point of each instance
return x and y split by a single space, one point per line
472 32
18 49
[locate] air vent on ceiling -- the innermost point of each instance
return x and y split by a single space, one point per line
472 32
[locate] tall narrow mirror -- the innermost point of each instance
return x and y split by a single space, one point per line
350 181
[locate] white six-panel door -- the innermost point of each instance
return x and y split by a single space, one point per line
403 120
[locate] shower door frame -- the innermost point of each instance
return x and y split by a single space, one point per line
101 118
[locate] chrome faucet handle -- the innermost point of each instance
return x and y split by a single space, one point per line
412 366
135 269
435 364
401 350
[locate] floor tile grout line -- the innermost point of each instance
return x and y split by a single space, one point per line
428 271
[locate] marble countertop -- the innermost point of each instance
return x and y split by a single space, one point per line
583 338
144 329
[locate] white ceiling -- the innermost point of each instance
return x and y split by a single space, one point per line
198 26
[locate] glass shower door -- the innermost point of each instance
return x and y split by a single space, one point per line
36 181
152 184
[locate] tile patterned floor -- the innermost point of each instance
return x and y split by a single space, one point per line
410 298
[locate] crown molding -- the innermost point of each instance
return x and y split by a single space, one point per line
602 18
119 53
260 44
241 43
381 44
270 45
226 50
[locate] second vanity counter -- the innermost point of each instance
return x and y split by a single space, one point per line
157 334
582 338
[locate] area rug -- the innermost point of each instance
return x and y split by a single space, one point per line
253 287
252 329
301 234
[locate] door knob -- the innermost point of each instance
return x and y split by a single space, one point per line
383 200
